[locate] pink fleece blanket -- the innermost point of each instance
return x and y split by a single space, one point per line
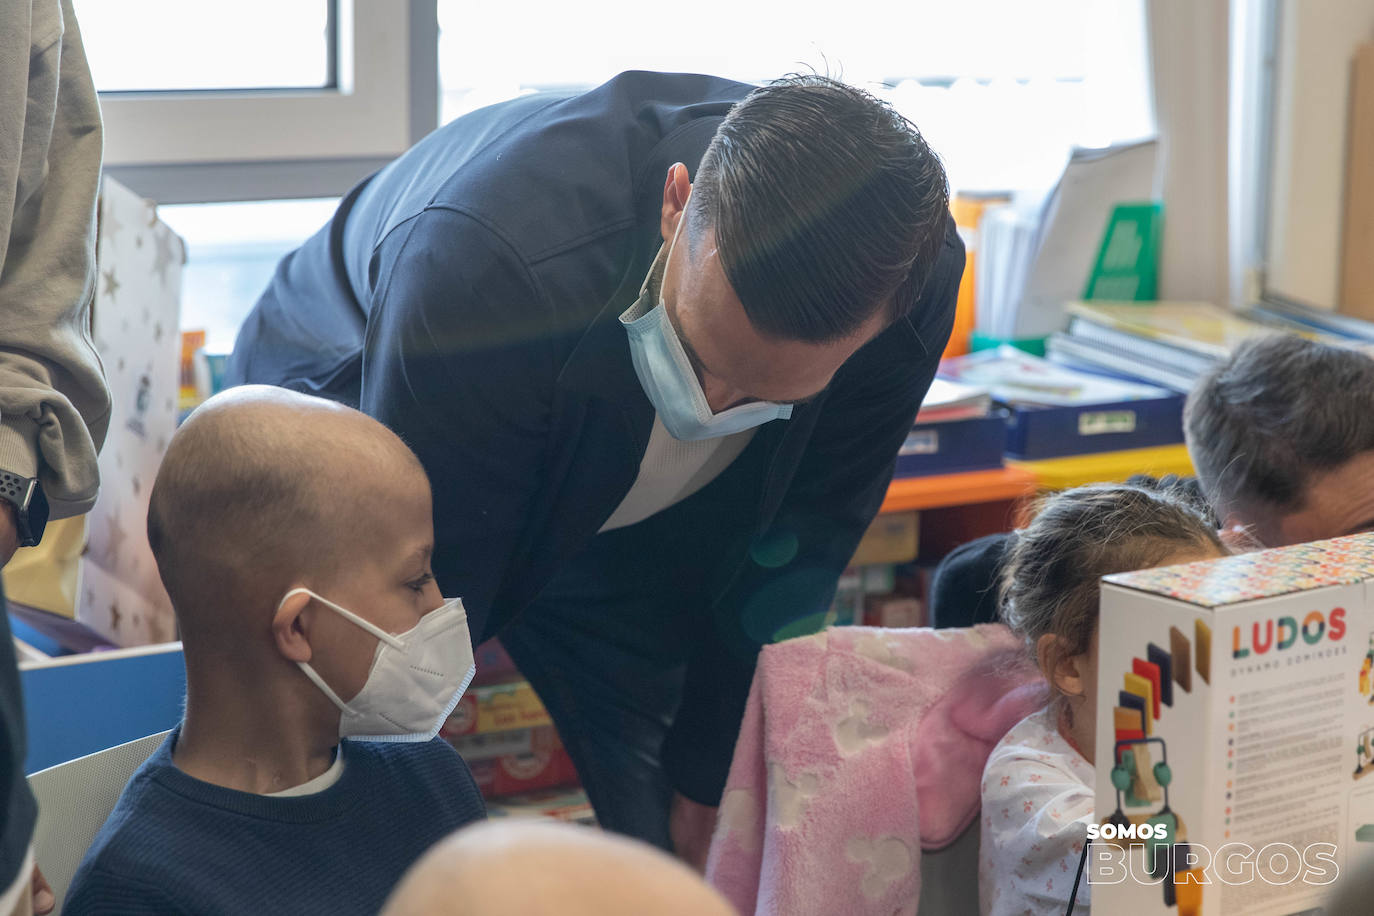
860 747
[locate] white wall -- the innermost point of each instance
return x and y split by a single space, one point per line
1189 57
1317 41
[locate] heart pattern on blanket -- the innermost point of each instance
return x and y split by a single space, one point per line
877 647
739 816
885 860
790 796
854 732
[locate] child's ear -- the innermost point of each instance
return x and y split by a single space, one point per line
1061 667
289 629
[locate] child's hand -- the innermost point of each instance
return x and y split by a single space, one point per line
44 901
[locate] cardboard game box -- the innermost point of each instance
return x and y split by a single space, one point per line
543 767
1235 731
565 805
516 761
509 742
496 708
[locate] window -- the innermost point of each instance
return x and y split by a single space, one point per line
294 99
980 78
231 251
251 101
152 45
259 98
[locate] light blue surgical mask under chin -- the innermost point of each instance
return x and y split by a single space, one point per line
667 376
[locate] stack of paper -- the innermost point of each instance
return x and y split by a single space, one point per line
1075 218
1035 255
947 400
1006 243
1019 379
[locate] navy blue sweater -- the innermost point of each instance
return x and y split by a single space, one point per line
174 844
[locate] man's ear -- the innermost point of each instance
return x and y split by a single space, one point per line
1062 669
676 188
290 629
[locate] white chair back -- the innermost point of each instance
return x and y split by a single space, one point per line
74 799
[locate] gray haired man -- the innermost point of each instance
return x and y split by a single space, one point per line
1282 436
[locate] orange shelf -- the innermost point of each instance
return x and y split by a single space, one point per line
908 494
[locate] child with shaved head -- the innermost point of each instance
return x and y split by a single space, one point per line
294 537
533 867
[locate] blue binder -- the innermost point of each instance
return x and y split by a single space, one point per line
957 445
1034 433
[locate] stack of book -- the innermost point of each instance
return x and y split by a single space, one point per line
1173 344
948 400
1056 410
1298 317
1018 379
956 430
1170 344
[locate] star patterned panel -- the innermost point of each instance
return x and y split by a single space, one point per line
137 333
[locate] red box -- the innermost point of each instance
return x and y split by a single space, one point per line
546 766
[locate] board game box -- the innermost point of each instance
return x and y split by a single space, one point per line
1235 732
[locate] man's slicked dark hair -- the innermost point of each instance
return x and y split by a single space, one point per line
826 206
1281 409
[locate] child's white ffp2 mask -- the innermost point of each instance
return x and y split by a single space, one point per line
416 679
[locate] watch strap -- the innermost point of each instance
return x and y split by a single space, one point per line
19 491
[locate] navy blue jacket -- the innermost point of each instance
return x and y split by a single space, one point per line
468 295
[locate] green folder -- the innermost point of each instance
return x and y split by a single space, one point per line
1127 267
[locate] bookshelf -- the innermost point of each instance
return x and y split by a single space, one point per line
1106 467
944 491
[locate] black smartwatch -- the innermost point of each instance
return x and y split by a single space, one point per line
30 506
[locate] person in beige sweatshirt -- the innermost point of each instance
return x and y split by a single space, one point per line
54 403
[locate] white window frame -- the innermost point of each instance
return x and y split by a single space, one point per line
202 146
